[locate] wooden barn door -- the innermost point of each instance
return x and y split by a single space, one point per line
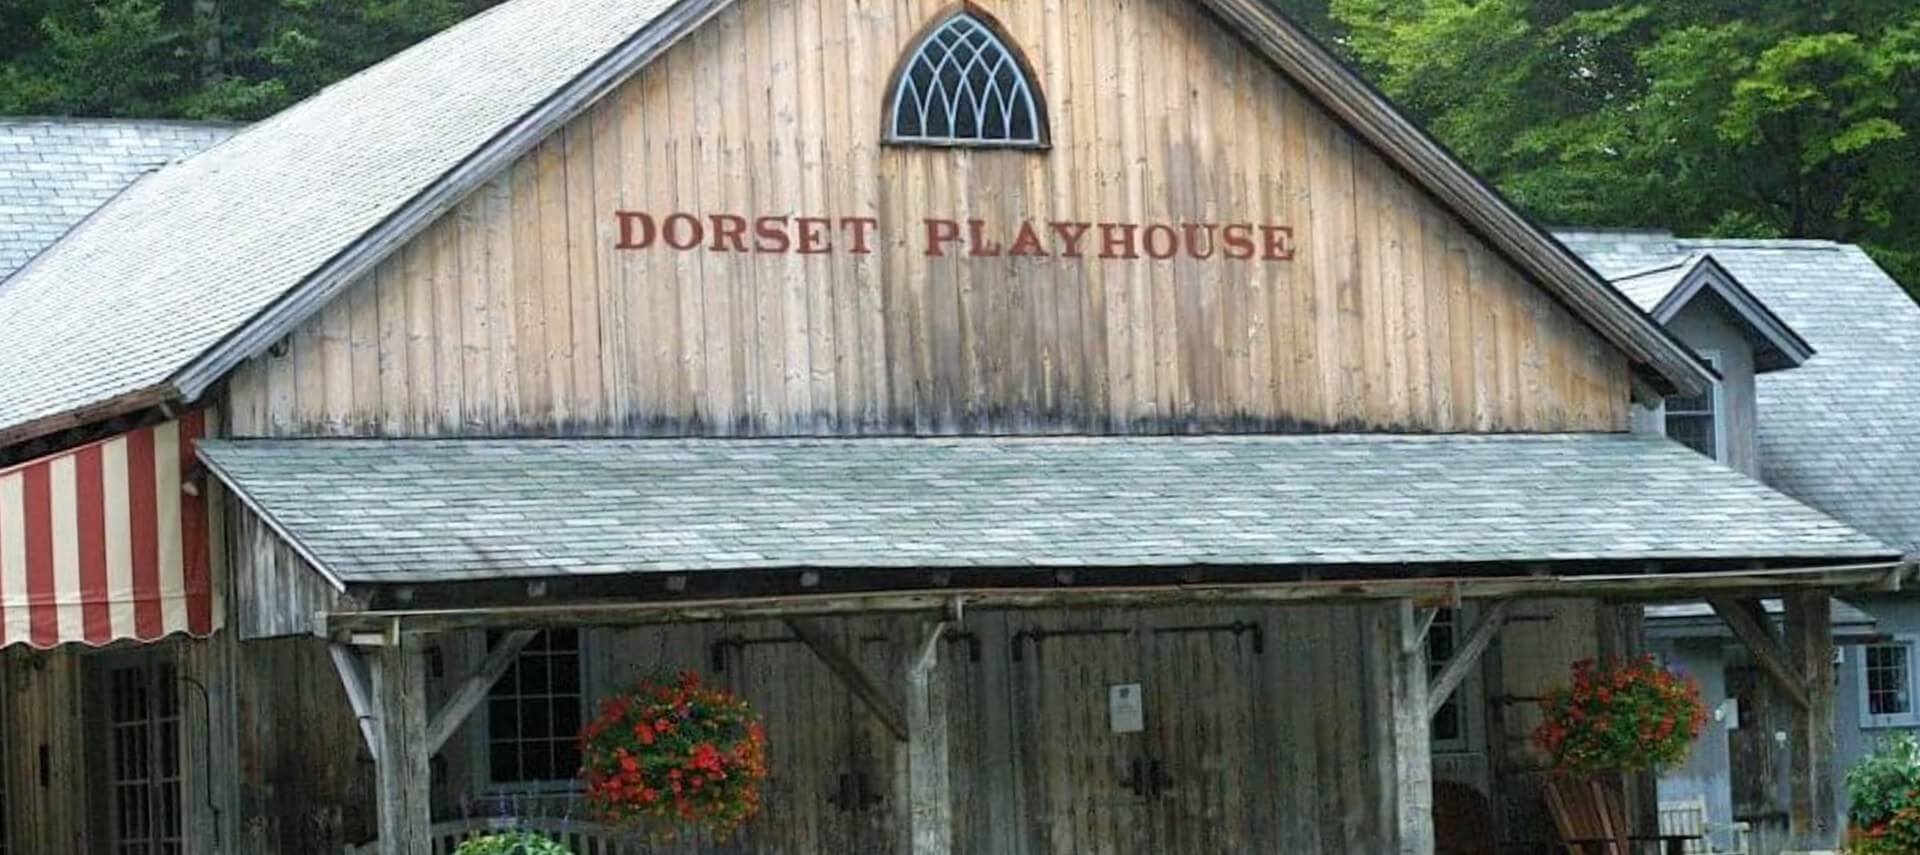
1206 741
1086 787
1184 776
807 730
828 783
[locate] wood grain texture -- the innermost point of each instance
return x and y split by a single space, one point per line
513 314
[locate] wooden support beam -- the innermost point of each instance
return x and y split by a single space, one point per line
475 688
1750 624
1424 591
402 775
1466 658
929 788
823 645
1399 671
359 685
1811 820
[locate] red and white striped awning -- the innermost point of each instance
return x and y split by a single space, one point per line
100 543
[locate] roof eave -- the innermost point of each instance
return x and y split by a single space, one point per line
157 395
359 259
1663 361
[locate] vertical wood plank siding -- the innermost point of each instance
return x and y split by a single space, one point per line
1238 702
515 314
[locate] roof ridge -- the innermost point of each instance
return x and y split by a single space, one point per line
1763 243
1687 260
166 121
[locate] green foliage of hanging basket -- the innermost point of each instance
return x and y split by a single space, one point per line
512 843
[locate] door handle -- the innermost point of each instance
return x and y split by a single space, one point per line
1147 778
843 796
1158 781
853 793
1135 781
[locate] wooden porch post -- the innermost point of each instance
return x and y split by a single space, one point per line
401 768
1406 773
1811 821
929 791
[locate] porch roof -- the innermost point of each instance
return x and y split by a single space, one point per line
411 511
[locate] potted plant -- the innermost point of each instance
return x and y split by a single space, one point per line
1620 717
673 755
512 843
1613 719
1884 790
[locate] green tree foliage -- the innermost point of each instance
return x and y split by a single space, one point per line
202 59
1734 118
1737 118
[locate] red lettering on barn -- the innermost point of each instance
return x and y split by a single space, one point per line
780 234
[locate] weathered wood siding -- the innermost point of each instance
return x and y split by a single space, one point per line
277 592
515 314
1259 719
307 779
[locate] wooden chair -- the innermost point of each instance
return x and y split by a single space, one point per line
1592 820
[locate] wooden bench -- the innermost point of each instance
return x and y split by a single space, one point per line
1690 817
583 838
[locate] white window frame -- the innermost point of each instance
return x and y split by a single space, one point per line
1720 455
1910 718
1465 696
1027 83
483 731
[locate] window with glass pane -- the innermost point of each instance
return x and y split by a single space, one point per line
1693 421
534 712
144 776
1888 679
963 85
1449 724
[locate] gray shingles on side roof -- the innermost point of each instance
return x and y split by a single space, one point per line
1842 432
388 511
182 259
53 172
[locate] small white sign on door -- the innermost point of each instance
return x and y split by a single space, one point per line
1126 709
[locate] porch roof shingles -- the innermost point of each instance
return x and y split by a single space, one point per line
376 511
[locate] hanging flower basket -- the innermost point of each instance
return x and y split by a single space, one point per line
1625 716
674 756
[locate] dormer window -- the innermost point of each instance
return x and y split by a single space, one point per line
963 84
1694 420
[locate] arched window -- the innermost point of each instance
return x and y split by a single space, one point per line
963 84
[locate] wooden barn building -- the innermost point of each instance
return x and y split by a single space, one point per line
1077 426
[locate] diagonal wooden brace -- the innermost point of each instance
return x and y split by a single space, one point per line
464 699
1466 658
821 642
1750 624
